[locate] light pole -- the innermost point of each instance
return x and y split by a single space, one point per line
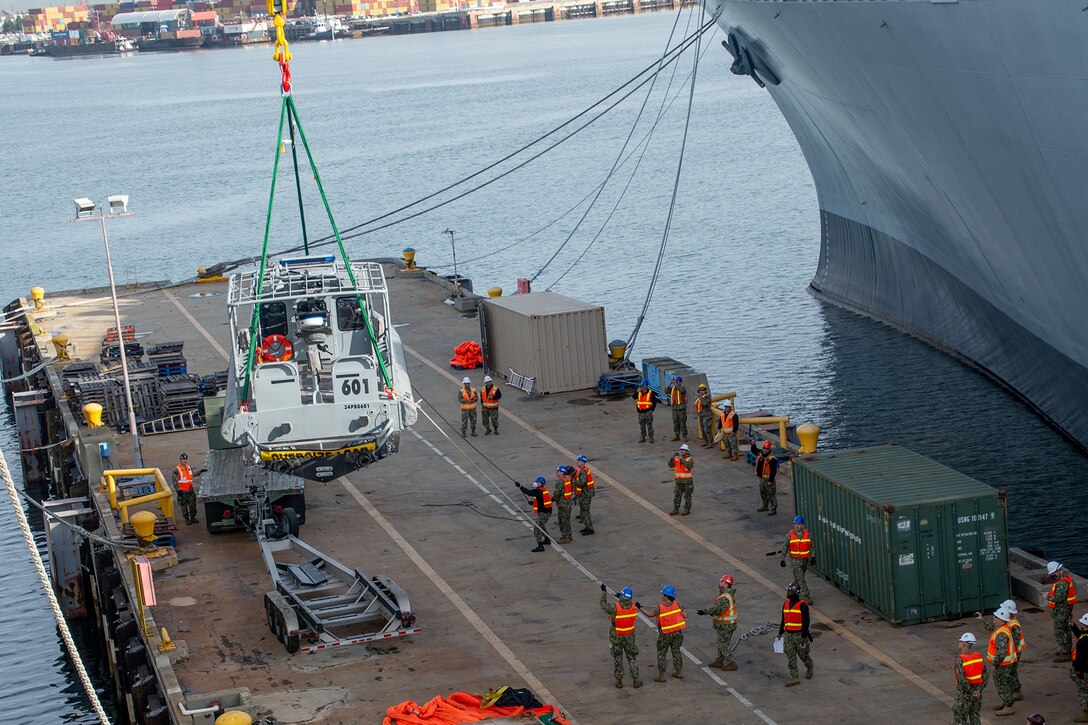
456 277
118 207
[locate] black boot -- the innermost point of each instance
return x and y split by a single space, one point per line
539 548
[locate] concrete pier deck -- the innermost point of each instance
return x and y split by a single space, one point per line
444 519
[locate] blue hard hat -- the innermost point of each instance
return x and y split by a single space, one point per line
560 468
678 379
798 519
541 479
582 459
626 593
669 591
644 383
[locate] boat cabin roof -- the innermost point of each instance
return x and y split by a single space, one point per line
299 278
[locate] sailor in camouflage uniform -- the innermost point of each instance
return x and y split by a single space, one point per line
678 402
1061 599
971 678
621 637
1002 655
724 612
669 617
705 415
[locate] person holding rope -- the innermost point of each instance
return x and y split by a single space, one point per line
542 510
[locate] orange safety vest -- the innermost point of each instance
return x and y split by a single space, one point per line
489 402
185 476
1018 634
670 618
643 402
729 614
1071 595
972 667
791 616
547 501
727 422
566 487
699 407
677 396
763 466
678 469
625 619
1007 657
468 402
589 479
800 546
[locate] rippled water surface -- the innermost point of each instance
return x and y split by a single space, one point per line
191 137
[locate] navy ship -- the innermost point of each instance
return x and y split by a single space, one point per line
946 142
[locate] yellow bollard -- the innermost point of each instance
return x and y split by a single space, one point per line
808 433
143 523
234 717
38 295
494 292
92 413
60 342
167 643
409 258
617 349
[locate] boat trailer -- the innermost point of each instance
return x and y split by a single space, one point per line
318 603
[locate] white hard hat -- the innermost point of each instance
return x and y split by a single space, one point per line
684 447
1053 567
465 380
1084 620
1003 614
487 378
1010 606
967 637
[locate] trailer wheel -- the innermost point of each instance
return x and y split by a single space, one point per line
281 627
291 642
290 521
270 614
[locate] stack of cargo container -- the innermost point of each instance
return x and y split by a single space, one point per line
381 8
44 20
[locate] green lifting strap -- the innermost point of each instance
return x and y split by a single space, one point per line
254 323
340 244
289 113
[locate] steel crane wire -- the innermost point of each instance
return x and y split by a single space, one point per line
631 178
640 146
672 206
626 141
637 79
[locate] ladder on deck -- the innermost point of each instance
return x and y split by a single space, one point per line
189 420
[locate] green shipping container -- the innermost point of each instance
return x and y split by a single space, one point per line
910 538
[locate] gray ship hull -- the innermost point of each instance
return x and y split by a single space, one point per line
946 142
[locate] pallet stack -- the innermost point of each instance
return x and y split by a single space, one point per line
168 358
178 394
213 384
106 387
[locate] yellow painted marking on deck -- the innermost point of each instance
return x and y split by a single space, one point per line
455 599
199 328
775 588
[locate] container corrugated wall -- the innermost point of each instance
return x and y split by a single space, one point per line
557 340
912 539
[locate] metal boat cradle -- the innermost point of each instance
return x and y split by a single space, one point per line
322 392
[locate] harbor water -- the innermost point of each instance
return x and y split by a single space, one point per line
191 139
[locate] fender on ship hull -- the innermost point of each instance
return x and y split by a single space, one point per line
947 169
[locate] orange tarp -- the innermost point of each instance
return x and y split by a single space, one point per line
459 707
467 356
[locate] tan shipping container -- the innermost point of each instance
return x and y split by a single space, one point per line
555 339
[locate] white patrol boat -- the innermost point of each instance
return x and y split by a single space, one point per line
317 384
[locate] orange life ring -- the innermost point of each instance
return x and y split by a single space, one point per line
276 348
